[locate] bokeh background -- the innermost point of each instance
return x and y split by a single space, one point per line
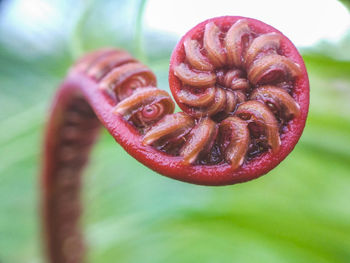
299 212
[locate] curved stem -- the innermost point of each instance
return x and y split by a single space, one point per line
110 88
71 131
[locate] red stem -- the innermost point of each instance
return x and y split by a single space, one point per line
62 169
79 109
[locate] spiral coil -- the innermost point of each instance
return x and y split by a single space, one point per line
236 91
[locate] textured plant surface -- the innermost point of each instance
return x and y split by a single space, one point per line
246 77
299 213
243 88
242 85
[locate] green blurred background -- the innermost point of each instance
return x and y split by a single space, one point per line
299 212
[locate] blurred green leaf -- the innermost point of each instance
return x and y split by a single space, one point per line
345 3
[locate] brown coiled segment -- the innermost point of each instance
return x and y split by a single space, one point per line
234 140
194 77
277 99
199 99
200 140
195 57
122 81
172 128
233 79
146 104
234 42
213 46
261 45
87 61
271 69
259 113
216 105
104 64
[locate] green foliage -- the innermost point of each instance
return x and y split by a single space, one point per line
298 213
346 3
